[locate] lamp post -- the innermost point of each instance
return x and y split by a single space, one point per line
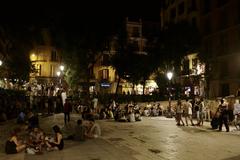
58 74
61 67
169 76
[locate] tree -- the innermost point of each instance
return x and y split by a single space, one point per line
15 44
174 43
79 45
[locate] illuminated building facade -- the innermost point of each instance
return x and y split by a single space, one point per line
105 76
218 22
46 61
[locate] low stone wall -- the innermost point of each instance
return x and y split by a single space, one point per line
212 104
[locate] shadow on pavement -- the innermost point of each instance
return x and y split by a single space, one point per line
233 158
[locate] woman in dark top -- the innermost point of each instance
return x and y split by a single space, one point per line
13 145
58 141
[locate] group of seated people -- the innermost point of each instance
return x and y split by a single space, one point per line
36 139
152 110
131 112
34 142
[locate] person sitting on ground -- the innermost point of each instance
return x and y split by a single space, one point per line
80 131
146 112
33 121
138 115
13 144
94 130
102 115
21 118
58 140
36 139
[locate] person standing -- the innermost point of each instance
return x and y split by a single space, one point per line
188 114
201 112
58 142
67 110
223 118
13 144
95 103
94 130
179 113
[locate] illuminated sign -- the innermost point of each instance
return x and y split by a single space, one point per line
105 85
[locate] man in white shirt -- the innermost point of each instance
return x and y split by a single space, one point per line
94 129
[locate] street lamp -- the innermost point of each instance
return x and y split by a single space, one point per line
169 76
58 73
1 62
61 67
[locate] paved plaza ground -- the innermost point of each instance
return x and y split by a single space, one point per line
154 138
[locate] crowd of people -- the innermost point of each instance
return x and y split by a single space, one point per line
184 112
227 112
35 139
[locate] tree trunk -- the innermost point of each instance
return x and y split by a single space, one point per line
144 85
133 88
118 82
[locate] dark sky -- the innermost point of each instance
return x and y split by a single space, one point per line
41 12
76 18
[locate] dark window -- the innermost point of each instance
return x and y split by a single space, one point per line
223 19
224 89
238 13
135 32
223 44
91 73
181 8
238 35
207 6
185 67
194 21
104 74
194 63
173 13
221 2
224 69
207 26
208 46
40 69
172 1
133 47
54 55
193 5
105 60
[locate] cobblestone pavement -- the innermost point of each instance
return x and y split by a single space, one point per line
151 139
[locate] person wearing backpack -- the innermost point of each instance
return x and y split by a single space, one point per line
223 118
67 110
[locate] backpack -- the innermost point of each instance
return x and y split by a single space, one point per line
196 107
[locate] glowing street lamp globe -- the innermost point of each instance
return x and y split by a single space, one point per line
61 67
169 75
1 62
58 73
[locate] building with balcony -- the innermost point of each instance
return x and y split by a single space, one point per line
175 11
220 29
105 76
192 76
46 61
219 25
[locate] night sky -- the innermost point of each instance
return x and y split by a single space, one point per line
77 18
77 12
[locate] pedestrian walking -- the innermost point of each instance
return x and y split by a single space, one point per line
179 113
67 110
188 112
223 118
